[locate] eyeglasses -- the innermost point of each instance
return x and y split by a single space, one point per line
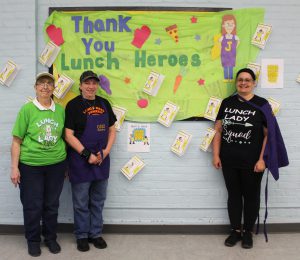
45 84
240 80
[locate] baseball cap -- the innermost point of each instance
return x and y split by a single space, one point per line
44 74
88 75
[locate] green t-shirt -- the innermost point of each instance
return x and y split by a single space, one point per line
41 132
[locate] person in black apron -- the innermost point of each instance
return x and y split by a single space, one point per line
90 133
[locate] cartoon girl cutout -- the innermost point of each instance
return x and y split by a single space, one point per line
149 82
165 114
178 143
206 140
211 109
259 35
229 42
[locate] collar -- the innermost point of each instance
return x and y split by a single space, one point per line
41 107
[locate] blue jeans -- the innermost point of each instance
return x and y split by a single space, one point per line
40 189
88 203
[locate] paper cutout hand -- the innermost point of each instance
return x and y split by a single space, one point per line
55 34
140 36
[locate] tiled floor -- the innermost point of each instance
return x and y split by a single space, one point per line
283 246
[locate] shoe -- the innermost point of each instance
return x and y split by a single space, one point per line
34 249
53 246
98 242
233 238
83 244
247 241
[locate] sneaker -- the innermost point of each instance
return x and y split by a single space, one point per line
83 244
98 242
53 246
247 241
34 249
233 238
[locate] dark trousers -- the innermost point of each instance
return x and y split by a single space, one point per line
243 186
40 188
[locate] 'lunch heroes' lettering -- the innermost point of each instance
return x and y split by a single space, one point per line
141 60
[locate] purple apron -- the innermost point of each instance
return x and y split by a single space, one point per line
228 53
94 138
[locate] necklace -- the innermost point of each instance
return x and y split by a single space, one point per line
90 103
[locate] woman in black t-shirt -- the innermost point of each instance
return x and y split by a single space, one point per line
238 147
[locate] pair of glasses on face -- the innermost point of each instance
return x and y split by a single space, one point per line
240 80
45 85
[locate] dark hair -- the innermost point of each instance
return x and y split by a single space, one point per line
247 70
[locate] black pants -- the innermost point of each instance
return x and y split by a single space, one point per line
40 188
243 186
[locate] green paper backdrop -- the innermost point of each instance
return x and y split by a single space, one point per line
101 41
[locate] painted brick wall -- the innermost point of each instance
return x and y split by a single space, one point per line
170 190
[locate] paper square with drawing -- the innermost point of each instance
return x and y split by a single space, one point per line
275 105
62 86
261 35
181 143
139 137
256 69
8 73
212 108
207 139
120 113
132 167
168 114
49 54
153 83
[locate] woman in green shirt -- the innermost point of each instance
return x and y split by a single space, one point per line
38 164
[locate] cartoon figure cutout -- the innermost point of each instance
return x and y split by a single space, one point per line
229 43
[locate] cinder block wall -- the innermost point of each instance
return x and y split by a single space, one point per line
170 190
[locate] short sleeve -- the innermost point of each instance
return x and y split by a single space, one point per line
69 114
21 124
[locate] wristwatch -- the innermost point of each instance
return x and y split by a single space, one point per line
85 154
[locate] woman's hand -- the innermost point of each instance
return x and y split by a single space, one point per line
105 153
15 176
94 159
260 166
217 162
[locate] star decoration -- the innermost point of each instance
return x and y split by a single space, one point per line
201 82
197 37
194 19
158 41
127 80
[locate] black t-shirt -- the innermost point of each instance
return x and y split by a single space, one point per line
242 134
78 109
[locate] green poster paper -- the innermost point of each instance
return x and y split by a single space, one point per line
180 53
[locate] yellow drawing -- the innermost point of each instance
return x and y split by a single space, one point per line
165 114
211 108
259 35
216 49
178 143
272 73
7 71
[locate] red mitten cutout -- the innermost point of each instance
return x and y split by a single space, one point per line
140 36
55 34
